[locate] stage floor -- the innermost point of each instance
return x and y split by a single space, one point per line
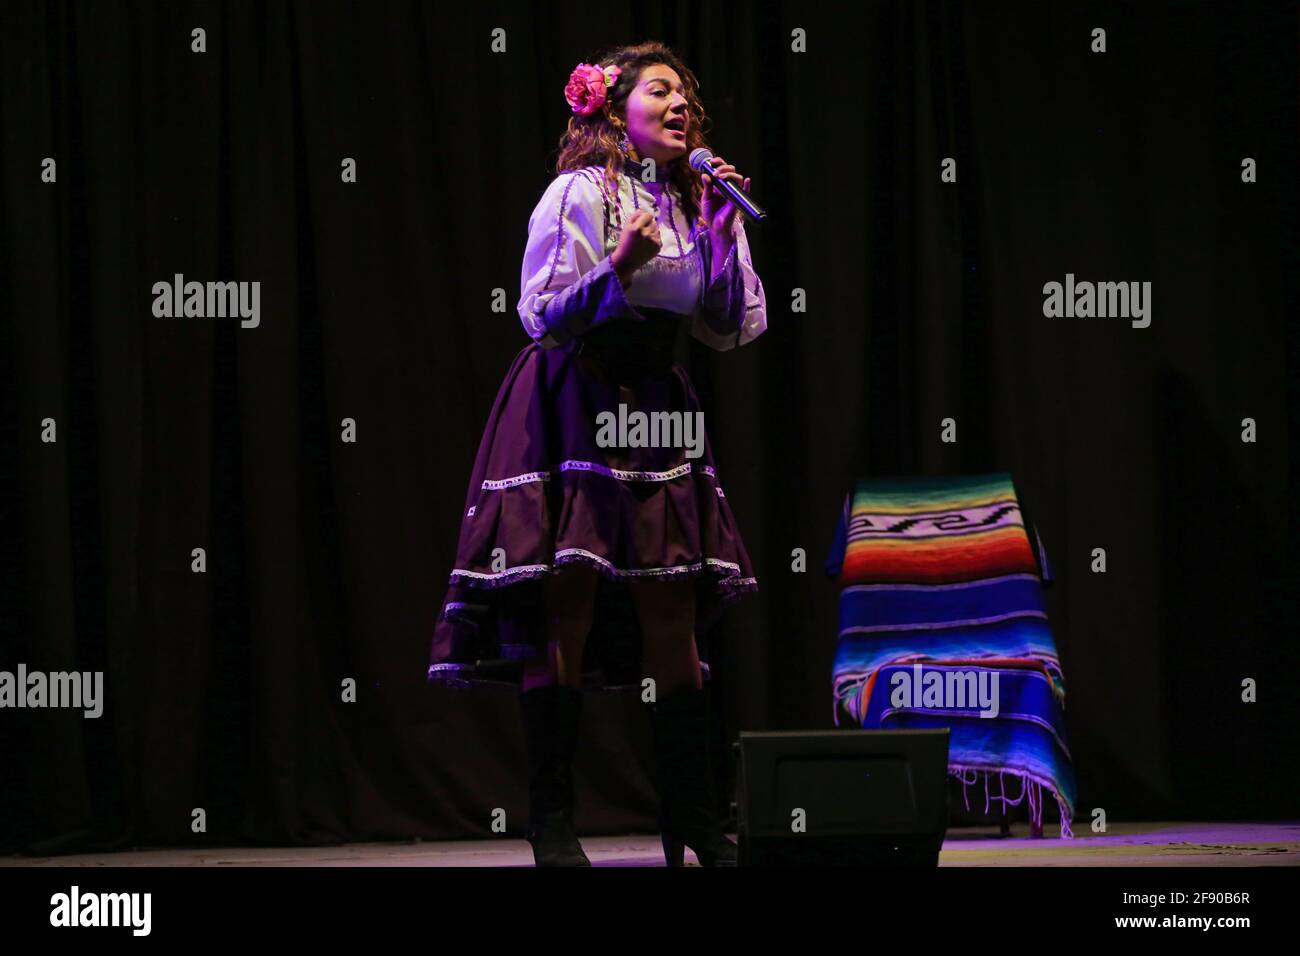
1135 844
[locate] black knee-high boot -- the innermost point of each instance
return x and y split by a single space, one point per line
689 814
550 720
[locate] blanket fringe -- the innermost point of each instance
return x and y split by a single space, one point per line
1031 794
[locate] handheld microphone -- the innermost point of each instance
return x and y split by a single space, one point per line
699 161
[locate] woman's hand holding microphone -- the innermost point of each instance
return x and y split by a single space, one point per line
720 212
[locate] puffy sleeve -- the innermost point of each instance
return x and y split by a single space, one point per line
568 284
733 306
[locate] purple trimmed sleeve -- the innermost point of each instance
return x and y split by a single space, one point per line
568 284
733 305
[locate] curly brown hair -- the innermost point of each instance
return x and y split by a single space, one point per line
593 140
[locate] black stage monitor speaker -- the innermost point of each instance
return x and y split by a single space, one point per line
842 798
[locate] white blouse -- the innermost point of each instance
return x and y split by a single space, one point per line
568 284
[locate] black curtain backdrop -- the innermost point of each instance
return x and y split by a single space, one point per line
328 560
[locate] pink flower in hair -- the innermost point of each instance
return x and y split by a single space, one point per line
587 85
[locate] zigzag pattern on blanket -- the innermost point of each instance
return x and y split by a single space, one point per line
942 571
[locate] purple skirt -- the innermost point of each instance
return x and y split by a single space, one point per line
549 488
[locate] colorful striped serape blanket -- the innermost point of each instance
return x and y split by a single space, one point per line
943 624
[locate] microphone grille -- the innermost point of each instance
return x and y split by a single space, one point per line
700 157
